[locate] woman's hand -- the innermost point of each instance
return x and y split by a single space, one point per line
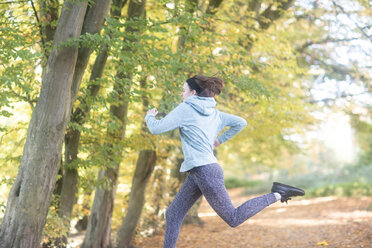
153 112
216 143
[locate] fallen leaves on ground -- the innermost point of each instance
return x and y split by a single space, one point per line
319 222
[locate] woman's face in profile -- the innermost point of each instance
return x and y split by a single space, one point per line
187 92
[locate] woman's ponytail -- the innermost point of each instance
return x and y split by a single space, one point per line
206 86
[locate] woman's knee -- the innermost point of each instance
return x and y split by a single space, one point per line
231 221
233 224
170 213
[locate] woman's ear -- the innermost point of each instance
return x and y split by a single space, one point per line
193 92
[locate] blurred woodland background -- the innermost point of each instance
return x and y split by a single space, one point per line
77 77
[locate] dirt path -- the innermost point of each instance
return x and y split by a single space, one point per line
326 221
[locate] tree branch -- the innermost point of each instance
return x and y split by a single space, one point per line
326 40
38 23
10 2
361 29
255 6
326 100
340 69
213 6
269 15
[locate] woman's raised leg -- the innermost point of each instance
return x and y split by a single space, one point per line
210 181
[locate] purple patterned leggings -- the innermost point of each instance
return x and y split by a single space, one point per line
208 180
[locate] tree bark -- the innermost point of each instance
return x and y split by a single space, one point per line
144 168
254 6
30 195
157 195
265 19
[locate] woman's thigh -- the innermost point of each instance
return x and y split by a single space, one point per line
188 194
210 181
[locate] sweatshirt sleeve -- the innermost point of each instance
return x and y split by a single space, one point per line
171 121
235 123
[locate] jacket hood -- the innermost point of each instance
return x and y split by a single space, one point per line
204 105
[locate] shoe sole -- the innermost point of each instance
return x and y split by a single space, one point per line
284 187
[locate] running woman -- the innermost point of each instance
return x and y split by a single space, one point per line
199 124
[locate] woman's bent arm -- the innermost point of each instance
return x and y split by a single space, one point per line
235 123
171 121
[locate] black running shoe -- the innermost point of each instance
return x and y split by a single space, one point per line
286 191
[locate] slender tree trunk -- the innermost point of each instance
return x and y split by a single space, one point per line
70 178
72 138
99 226
157 195
82 224
265 18
190 7
92 24
144 168
48 19
273 13
30 195
98 234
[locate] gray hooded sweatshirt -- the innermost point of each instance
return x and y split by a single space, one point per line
199 124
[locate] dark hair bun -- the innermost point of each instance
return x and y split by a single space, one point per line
210 86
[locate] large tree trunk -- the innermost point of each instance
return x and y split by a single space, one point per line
99 226
93 23
30 195
144 168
